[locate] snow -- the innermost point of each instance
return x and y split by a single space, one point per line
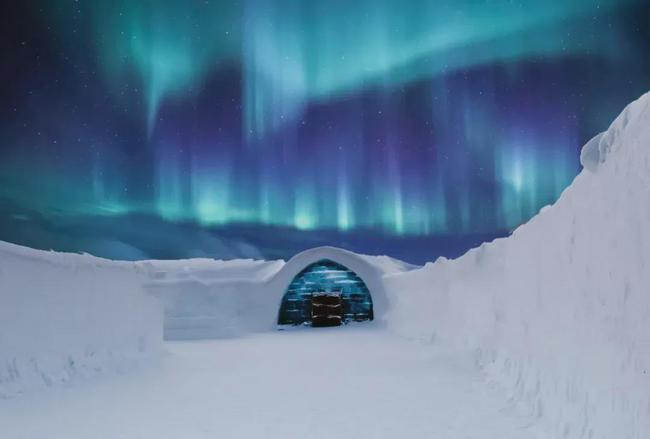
354 382
67 317
590 156
221 299
557 314
554 319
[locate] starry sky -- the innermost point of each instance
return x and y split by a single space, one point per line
257 128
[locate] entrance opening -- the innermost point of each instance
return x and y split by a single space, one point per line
325 293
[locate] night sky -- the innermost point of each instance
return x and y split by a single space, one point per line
225 128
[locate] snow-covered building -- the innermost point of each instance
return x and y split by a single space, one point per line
208 298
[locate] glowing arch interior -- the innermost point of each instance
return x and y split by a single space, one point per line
325 276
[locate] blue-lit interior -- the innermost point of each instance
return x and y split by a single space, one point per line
325 276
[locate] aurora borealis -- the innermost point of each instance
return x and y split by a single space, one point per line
407 120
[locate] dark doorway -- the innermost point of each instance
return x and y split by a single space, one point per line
326 309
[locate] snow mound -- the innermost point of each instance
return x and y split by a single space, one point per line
65 317
557 314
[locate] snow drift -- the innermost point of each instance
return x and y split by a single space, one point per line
69 316
558 313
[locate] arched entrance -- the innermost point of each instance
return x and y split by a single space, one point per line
317 288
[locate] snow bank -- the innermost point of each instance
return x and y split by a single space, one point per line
207 298
68 316
558 314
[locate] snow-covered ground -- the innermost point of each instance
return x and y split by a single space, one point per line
356 382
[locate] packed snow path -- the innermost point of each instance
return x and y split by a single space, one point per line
351 382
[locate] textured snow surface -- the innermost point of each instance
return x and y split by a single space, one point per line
558 314
357 382
65 317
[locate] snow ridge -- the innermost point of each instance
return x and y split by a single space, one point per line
557 314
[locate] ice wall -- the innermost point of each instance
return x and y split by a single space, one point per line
558 314
67 316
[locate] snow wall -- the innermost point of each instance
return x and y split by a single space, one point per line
206 298
65 317
558 314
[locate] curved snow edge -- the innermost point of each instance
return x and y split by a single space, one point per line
199 305
596 151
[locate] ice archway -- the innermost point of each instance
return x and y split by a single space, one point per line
329 277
